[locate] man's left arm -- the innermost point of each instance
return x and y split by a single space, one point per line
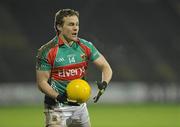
104 66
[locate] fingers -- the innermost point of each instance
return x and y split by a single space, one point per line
73 102
69 100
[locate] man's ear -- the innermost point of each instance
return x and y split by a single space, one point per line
59 27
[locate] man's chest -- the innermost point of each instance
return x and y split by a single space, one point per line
68 56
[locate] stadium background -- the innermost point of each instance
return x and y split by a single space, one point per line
140 39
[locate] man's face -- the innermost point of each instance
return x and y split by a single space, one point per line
70 28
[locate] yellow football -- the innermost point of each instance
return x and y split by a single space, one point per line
78 90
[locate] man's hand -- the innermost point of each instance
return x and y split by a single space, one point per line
62 98
72 102
101 86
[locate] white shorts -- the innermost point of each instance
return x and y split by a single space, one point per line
67 116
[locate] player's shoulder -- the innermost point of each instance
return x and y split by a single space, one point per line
50 44
47 46
85 42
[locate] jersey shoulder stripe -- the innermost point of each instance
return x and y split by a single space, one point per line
44 49
94 53
85 42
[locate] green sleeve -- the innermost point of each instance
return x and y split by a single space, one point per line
42 61
94 52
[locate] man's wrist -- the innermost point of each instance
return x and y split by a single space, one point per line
61 98
58 98
104 83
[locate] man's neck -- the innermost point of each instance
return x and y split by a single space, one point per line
65 40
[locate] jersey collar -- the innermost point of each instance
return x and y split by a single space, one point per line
61 42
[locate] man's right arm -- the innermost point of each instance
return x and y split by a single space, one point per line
43 85
42 82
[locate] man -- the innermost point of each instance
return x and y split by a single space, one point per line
61 60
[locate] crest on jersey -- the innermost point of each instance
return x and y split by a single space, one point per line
83 56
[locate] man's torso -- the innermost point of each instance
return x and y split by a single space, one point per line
65 62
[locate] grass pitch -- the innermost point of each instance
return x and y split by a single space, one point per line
149 115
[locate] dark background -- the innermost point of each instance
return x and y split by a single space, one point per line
139 38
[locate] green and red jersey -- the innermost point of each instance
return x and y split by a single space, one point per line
65 62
